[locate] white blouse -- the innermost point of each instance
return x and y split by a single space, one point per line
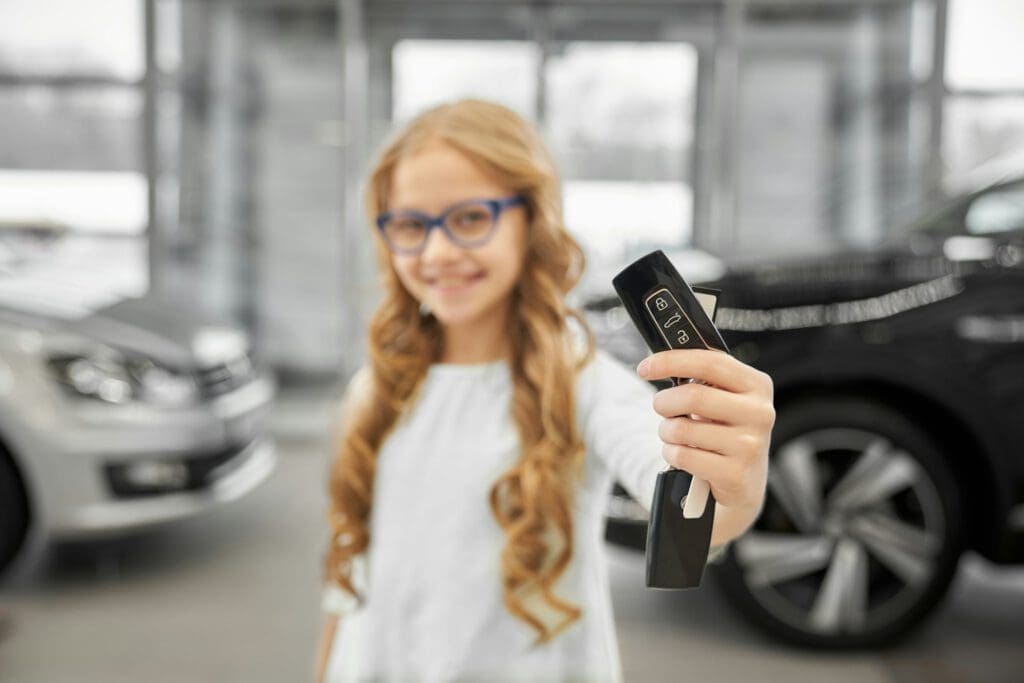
432 573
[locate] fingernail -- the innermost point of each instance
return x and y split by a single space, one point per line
642 368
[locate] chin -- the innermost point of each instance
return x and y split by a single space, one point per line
457 314
450 318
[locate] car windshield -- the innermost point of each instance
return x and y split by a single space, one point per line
994 209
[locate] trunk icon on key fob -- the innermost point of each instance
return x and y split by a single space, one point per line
669 315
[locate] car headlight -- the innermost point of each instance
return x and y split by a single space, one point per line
108 376
163 386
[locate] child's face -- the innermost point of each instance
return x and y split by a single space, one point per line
462 287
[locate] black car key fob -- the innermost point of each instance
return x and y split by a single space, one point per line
669 315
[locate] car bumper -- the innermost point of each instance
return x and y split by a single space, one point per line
237 476
72 448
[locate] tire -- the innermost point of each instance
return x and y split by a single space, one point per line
860 533
14 512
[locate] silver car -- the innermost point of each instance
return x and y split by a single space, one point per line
130 416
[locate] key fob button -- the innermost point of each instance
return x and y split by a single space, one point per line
673 323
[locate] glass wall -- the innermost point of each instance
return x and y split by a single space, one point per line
619 115
73 188
71 87
747 130
830 151
984 106
620 118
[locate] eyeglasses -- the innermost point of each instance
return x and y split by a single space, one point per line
468 224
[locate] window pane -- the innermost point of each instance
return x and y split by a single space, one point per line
622 110
71 37
61 128
831 144
983 43
429 72
76 160
620 120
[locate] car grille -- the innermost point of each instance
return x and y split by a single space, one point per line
225 377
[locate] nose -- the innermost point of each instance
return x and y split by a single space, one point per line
439 247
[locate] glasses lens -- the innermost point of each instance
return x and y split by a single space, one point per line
470 223
405 232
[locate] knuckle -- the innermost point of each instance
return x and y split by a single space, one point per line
749 445
763 417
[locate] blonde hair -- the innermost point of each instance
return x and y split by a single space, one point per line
533 500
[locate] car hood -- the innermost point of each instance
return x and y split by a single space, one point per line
148 326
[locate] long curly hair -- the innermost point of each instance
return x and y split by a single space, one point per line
533 500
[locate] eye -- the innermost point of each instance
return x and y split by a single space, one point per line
405 224
470 216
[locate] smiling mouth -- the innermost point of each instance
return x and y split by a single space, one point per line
454 283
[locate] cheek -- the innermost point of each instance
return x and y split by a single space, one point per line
516 261
405 268
513 251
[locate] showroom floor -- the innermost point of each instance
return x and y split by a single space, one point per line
233 596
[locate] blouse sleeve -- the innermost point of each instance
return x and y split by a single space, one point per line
620 426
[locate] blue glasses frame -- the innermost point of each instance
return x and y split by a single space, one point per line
441 221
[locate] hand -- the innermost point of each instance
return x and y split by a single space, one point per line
717 428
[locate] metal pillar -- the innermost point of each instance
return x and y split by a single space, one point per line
356 255
155 230
936 102
721 232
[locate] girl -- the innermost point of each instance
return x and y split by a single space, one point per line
479 445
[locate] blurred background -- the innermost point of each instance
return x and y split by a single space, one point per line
186 274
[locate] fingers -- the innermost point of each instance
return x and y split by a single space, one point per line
711 403
722 440
719 427
713 367
723 476
732 480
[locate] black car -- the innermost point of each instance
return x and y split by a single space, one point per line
899 380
